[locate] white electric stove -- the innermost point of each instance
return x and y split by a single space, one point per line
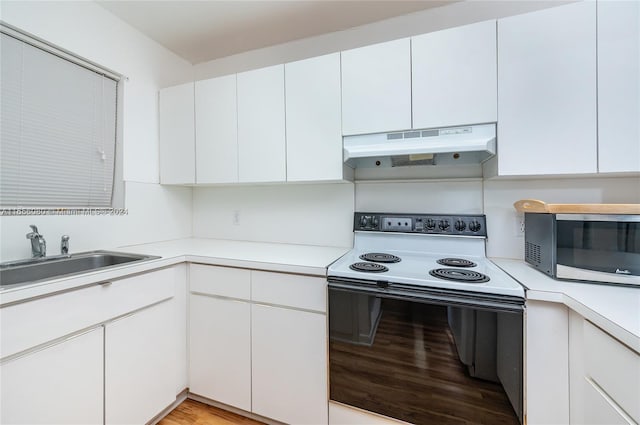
409 253
417 296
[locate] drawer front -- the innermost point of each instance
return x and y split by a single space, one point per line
31 323
613 367
221 281
290 290
598 409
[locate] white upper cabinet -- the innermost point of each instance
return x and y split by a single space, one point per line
618 86
454 76
313 110
261 125
177 135
376 88
547 91
216 130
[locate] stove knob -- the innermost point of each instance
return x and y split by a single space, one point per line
475 226
364 221
460 225
444 224
382 284
374 222
431 224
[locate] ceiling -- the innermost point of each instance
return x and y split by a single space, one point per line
200 31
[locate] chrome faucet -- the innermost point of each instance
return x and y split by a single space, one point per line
38 244
64 245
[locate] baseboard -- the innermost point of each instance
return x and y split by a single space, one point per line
179 399
232 409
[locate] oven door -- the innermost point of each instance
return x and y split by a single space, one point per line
600 248
425 359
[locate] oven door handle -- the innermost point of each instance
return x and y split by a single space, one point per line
490 302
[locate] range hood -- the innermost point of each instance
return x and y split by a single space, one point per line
470 144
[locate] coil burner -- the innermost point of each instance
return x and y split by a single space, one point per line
459 275
456 262
368 267
380 257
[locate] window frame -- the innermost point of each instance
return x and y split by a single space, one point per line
118 186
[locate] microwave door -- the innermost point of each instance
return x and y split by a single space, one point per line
598 248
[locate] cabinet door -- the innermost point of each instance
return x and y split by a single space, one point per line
547 363
220 350
60 384
289 365
618 86
180 323
140 365
454 76
547 91
216 130
376 88
261 128
177 135
314 136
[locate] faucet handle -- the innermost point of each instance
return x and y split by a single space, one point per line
64 244
34 228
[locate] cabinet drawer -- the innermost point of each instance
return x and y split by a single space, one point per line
289 290
31 323
598 409
222 281
613 367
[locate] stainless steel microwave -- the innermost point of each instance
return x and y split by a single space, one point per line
585 247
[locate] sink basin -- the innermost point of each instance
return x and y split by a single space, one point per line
28 271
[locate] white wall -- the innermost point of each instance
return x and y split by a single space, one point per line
465 12
506 241
455 196
495 198
307 214
155 213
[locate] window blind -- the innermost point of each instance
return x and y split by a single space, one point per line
57 130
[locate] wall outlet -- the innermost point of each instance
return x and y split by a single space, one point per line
519 225
236 217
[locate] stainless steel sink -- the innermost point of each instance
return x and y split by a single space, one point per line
32 270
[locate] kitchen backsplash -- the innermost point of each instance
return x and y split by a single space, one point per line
308 214
503 222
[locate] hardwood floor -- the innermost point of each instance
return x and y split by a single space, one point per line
433 384
191 412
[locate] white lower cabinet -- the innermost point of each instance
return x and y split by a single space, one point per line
289 365
258 342
546 363
604 376
140 365
220 350
112 352
59 384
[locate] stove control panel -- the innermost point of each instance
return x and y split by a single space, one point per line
435 224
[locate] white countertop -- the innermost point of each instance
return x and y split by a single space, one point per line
284 258
615 309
